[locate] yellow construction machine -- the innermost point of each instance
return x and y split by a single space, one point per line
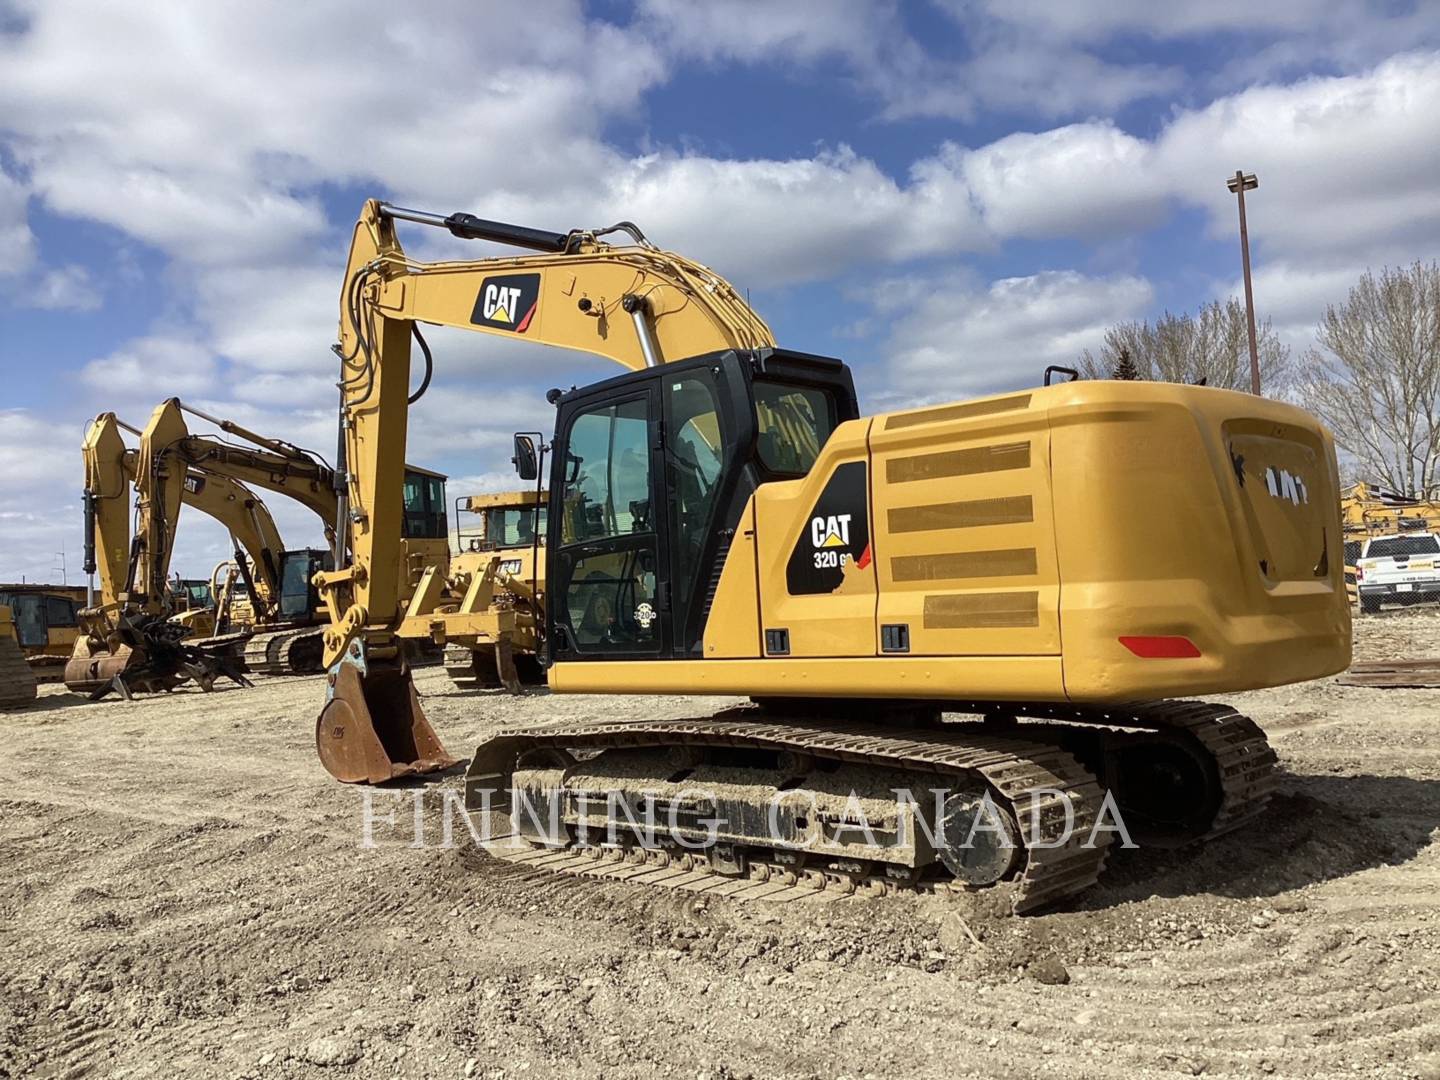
282 634
45 622
724 520
17 680
492 634
135 637
286 637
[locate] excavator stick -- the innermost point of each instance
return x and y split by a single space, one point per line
372 729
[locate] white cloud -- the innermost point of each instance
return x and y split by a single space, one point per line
146 370
1084 179
957 338
39 496
16 239
67 288
1343 162
1098 20
210 147
1003 66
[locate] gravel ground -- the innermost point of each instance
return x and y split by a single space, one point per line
184 892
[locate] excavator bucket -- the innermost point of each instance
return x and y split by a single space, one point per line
373 730
90 669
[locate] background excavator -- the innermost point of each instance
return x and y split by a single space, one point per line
286 635
724 520
128 641
282 635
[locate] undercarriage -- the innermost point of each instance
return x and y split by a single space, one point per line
785 801
295 651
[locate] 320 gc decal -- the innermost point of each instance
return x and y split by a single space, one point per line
838 534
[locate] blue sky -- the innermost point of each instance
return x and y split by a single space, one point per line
950 194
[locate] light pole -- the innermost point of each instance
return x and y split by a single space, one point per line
1240 183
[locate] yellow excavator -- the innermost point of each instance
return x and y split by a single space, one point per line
492 635
46 623
724 520
283 634
287 636
129 641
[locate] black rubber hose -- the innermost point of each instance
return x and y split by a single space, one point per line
429 364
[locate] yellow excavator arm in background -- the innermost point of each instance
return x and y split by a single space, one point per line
109 475
636 305
110 471
270 464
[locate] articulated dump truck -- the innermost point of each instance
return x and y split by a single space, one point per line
984 624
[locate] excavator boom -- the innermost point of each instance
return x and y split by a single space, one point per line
636 305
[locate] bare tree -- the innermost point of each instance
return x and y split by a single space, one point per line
1211 346
1375 379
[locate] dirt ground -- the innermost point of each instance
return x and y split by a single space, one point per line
183 892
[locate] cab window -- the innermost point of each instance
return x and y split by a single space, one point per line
59 611
424 507
694 448
607 474
607 565
513 526
794 422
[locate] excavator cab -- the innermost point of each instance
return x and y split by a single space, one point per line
299 599
693 440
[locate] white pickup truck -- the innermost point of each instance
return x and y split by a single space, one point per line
1404 568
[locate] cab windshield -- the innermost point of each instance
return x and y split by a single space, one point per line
513 526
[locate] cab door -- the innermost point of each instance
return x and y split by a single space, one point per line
605 539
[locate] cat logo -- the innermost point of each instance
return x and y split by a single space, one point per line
507 302
837 542
194 483
830 532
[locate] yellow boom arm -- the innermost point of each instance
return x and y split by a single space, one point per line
110 471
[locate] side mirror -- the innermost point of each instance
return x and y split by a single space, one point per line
526 462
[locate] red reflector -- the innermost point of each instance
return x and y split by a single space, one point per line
1161 648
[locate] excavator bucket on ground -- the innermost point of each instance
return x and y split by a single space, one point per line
146 654
373 730
17 681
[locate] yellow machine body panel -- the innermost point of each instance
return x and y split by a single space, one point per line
964 527
17 679
736 634
1034 547
839 623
